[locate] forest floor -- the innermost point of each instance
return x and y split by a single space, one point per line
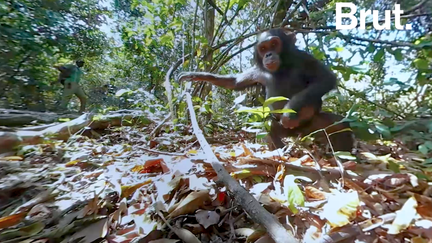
116 187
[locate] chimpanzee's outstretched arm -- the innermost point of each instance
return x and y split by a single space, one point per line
236 82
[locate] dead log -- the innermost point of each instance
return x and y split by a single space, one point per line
10 140
15 118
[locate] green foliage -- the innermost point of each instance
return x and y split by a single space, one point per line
258 120
34 35
294 194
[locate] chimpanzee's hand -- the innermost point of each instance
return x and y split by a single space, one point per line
188 76
290 120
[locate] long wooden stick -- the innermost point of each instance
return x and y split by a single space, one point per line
258 214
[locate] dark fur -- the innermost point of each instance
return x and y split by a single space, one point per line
301 78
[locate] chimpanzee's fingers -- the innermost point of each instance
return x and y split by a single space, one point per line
288 122
182 77
185 76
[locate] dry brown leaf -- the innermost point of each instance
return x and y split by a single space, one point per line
72 163
256 235
90 233
91 207
126 230
419 239
26 231
194 228
115 217
185 235
127 238
12 158
39 241
422 227
191 203
244 232
313 193
152 166
94 175
265 239
39 213
341 208
153 235
11 220
164 241
404 216
247 151
424 207
207 218
126 191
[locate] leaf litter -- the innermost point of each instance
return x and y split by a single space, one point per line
117 189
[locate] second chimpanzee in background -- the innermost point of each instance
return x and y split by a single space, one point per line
287 71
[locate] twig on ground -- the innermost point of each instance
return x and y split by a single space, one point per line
158 127
258 214
162 152
189 147
328 173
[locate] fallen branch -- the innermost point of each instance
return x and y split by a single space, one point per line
17 118
313 173
159 127
161 152
9 140
258 214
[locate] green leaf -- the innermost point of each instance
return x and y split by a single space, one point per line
428 161
231 3
346 76
401 127
379 55
428 144
258 110
283 111
423 149
319 55
167 39
294 194
358 68
271 100
345 155
423 42
430 127
182 2
353 109
176 24
337 49
421 63
370 48
394 166
422 176
242 3
398 55
261 135
383 129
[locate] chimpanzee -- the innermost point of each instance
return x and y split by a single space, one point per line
285 71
